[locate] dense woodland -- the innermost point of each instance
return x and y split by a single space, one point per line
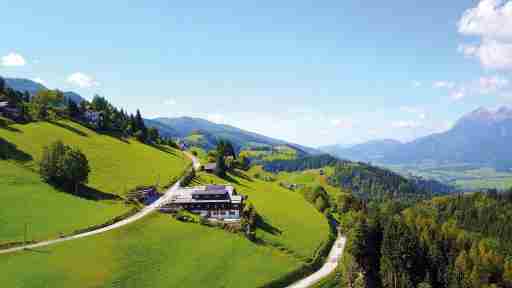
299 164
370 182
450 241
365 181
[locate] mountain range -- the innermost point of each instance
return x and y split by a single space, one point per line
206 134
482 137
32 87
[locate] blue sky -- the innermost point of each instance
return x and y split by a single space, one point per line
309 72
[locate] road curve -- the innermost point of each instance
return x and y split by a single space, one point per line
330 265
142 213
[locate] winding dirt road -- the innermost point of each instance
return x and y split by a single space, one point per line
142 213
330 265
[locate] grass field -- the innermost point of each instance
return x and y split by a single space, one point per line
117 165
201 154
26 199
154 252
311 177
293 223
462 176
275 153
159 251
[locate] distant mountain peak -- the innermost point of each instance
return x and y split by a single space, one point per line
32 87
485 115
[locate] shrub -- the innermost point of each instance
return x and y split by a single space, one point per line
64 166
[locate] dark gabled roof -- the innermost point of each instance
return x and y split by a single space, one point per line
212 189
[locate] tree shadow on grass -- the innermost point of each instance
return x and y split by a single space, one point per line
9 151
242 175
114 135
11 129
69 128
90 193
267 227
230 179
164 149
87 193
38 250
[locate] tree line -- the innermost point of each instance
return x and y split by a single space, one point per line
450 241
50 105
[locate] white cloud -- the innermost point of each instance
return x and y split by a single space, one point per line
342 123
13 60
443 84
492 84
216 118
170 101
491 53
422 116
491 20
458 94
82 80
406 124
40 81
416 84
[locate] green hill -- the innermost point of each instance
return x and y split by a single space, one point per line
183 127
159 251
117 166
293 223
47 212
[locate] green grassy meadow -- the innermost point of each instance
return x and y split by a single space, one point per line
302 229
157 251
276 153
202 155
48 212
462 176
311 178
116 165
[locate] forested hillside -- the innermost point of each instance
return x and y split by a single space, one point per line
455 241
299 164
365 181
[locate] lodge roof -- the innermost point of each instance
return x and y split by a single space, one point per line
185 195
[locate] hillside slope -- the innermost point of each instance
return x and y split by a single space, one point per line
117 165
159 251
27 200
184 126
292 222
